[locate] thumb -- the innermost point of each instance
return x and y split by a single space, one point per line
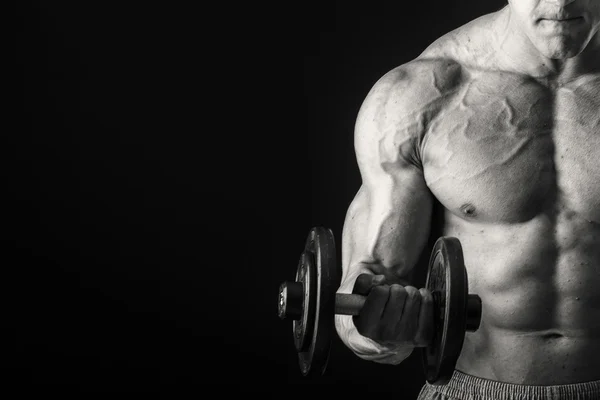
365 282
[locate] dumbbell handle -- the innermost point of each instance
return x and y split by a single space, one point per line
349 304
291 298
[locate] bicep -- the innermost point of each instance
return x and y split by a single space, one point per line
387 226
388 222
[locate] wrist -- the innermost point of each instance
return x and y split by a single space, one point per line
369 349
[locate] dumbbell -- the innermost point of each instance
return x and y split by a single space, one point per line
311 302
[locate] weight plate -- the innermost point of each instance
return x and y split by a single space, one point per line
447 280
303 326
320 249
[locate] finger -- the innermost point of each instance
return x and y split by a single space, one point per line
368 319
390 276
409 321
425 328
393 312
365 282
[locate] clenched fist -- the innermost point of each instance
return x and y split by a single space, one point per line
393 313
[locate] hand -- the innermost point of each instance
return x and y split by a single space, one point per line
393 313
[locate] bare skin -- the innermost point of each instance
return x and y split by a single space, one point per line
501 126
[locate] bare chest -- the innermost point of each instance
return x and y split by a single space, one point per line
505 148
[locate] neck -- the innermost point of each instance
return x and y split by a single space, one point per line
518 53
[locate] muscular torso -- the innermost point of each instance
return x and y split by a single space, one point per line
516 164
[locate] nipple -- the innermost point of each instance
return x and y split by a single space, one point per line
468 210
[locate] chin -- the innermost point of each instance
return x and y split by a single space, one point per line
560 53
560 48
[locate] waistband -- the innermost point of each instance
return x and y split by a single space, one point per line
465 386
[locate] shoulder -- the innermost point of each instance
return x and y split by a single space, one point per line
440 69
422 77
396 113
416 85
473 45
417 89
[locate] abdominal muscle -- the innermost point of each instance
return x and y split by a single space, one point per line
538 282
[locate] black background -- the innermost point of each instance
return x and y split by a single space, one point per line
163 164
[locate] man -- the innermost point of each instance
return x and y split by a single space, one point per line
499 122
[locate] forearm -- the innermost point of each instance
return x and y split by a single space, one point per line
380 243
